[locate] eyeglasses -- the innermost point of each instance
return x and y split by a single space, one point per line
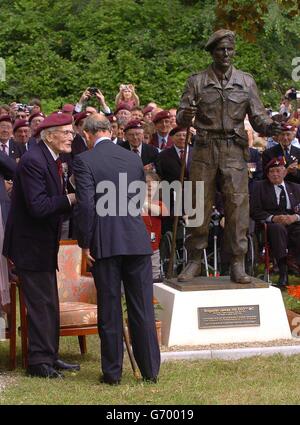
66 132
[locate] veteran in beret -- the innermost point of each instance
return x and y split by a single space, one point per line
217 101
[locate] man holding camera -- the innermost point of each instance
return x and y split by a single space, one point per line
218 100
87 95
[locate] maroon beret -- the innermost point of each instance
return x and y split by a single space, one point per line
37 114
123 105
112 118
133 124
20 123
176 130
5 118
56 119
80 116
147 109
275 162
68 107
161 116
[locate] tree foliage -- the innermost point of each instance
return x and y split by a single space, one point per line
56 49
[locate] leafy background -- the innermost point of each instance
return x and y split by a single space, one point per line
55 49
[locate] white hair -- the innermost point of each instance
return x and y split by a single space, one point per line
45 132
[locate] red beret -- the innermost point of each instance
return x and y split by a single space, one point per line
133 124
123 105
5 118
37 114
176 130
80 116
112 118
287 127
54 120
275 162
161 116
147 110
68 107
20 123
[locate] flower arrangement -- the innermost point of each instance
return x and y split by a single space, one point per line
293 298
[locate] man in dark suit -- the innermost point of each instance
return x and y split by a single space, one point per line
161 139
117 246
169 167
277 203
79 143
7 144
32 240
134 134
285 149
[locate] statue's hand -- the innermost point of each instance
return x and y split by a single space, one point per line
189 113
274 129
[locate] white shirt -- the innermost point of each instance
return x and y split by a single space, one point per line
100 140
53 154
160 139
139 148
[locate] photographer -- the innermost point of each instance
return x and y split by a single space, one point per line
88 94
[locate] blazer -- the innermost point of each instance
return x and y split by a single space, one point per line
78 145
263 201
154 141
108 235
276 151
32 231
169 164
149 153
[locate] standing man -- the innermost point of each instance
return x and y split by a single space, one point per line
117 247
32 240
219 99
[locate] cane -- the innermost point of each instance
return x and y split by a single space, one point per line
176 217
134 367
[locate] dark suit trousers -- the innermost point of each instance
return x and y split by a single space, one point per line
282 238
41 299
136 273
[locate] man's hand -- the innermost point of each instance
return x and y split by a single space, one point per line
8 186
89 259
85 96
285 220
292 168
72 198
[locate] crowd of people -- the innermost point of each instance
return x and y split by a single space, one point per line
148 144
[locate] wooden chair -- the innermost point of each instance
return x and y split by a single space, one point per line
10 331
77 297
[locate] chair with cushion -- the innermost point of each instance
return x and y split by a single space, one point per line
77 297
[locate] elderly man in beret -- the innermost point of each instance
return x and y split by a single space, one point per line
22 133
32 236
218 100
277 203
161 139
7 145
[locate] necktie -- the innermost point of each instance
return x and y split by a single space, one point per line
59 167
3 147
286 154
282 199
135 150
181 154
163 143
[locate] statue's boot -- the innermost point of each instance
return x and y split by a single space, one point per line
192 269
237 270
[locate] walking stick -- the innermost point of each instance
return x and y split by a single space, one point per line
176 217
129 351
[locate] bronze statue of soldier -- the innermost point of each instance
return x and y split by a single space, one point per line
223 96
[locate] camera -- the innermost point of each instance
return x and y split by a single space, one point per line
93 90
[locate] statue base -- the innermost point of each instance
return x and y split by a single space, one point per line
207 311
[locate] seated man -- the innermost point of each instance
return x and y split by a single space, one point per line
277 203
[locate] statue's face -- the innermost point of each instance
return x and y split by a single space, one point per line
223 53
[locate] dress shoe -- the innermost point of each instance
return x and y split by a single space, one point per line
237 270
43 371
192 269
153 380
283 279
283 272
60 365
109 381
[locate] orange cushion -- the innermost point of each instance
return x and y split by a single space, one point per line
74 314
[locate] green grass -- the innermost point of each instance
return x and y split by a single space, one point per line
257 380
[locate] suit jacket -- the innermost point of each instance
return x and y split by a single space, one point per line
30 144
263 201
14 150
149 153
33 227
78 145
108 236
154 141
7 171
169 164
276 151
